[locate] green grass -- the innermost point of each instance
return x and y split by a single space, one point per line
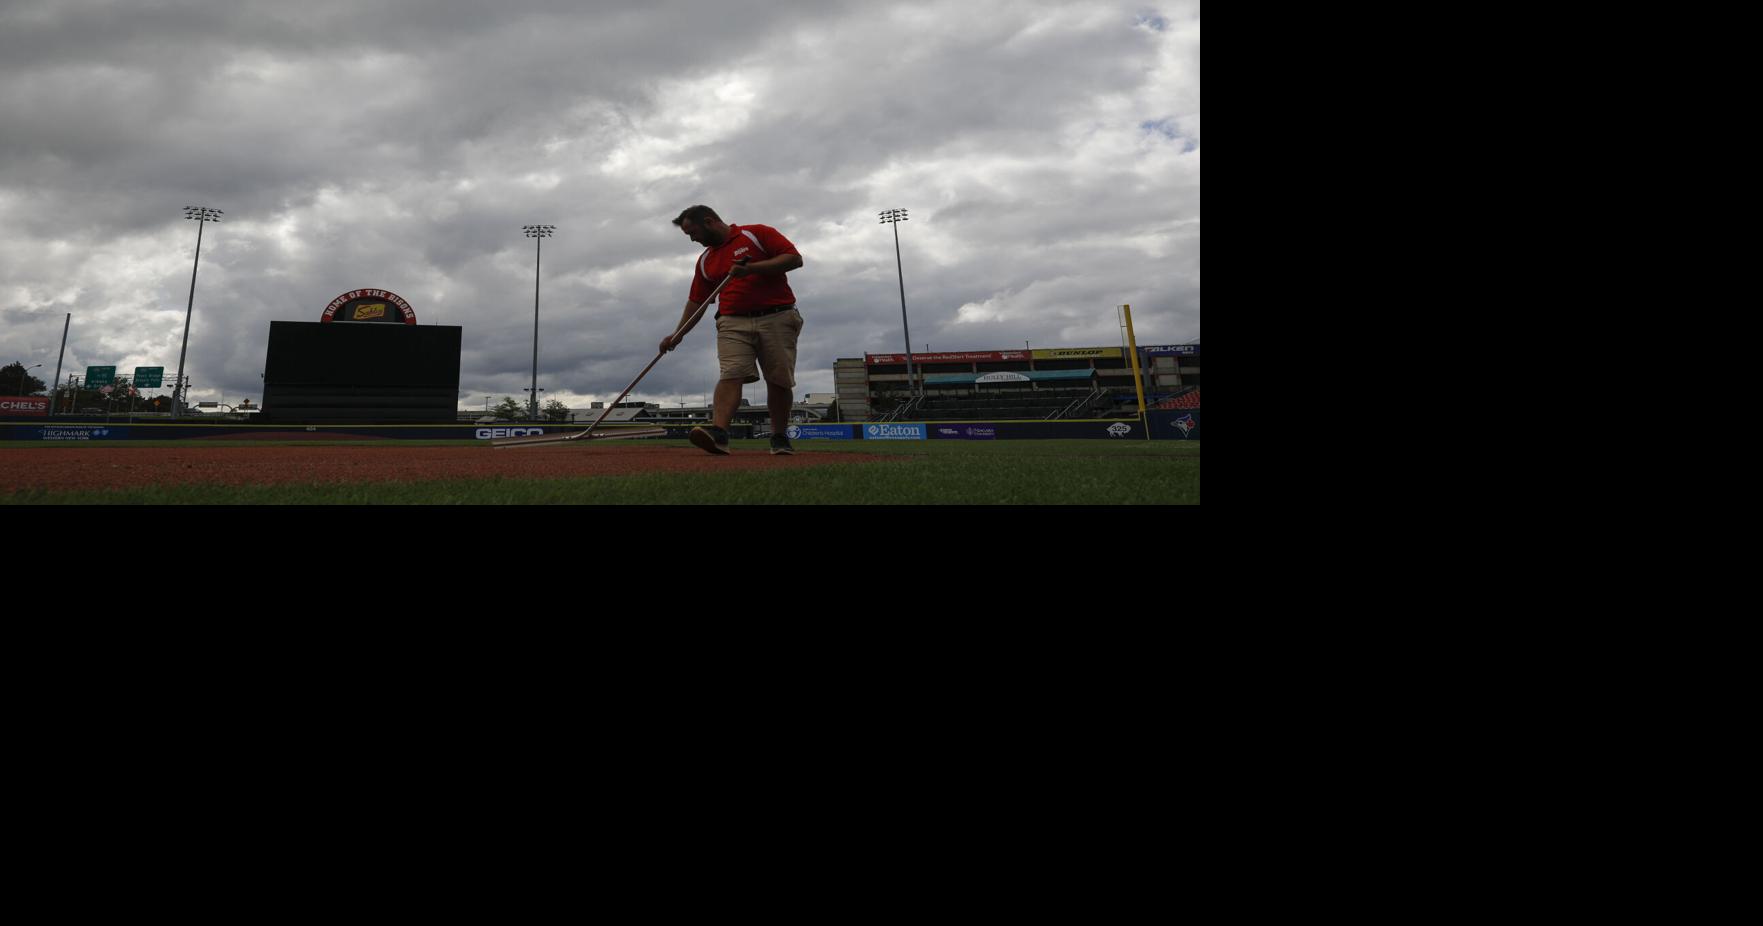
1005 472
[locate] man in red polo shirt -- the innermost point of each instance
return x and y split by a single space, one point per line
756 320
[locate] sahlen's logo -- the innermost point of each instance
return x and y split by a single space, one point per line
1119 429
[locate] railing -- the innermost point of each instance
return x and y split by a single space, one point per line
1076 404
904 409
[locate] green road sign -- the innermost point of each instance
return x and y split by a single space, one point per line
100 376
149 377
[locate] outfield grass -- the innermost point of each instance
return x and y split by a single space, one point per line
1005 472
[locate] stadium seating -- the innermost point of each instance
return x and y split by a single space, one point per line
1186 398
1000 405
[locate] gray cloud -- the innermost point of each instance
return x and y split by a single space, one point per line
1048 152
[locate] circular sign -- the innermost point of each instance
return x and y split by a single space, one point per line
370 305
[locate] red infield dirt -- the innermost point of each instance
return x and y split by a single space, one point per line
112 467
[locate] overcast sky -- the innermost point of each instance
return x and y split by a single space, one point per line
1048 154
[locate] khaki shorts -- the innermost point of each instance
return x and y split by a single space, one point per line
747 346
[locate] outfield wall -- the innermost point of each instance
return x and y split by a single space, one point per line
77 430
1091 429
1163 426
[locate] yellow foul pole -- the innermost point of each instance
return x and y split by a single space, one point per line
1138 383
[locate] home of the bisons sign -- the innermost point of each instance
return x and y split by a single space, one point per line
369 305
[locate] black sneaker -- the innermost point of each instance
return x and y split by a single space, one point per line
710 439
780 443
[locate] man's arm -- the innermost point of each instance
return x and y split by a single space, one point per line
771 266
672 341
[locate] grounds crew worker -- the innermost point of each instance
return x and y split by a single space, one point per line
756 319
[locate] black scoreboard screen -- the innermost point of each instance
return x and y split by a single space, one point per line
319 371
363 355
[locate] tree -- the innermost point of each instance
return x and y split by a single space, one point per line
556 411
123 395
16 380
509 409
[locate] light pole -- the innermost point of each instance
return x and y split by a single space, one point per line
65 324
24 374
538 233
894 217
201 215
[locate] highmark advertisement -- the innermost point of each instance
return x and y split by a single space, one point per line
894 432
77 432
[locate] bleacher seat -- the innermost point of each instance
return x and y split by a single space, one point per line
1188 399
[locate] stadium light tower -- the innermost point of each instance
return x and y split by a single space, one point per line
894 217
538 233
201 215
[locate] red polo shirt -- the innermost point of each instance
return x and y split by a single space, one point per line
744 295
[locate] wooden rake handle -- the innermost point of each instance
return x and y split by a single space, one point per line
677 332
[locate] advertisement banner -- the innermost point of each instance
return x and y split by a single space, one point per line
1180 350
1128 429
79 432
502 432
24 406
966 432
972 356
819 432
1075 353
892 431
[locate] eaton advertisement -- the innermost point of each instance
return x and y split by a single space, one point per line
894 432
819 432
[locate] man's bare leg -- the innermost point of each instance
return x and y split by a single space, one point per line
728 398
779 399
